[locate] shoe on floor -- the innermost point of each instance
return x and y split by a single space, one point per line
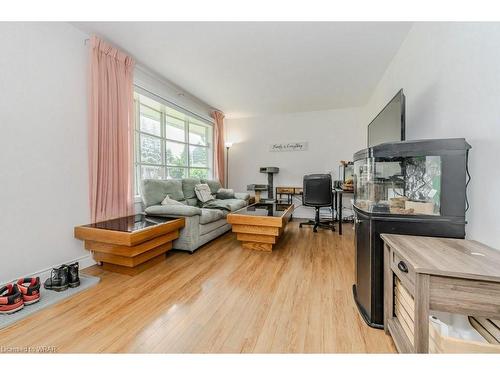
58 280
30 289
11 299
73 275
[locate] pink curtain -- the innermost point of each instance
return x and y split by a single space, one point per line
110 131
219 146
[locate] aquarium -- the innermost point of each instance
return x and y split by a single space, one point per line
406 178
407 186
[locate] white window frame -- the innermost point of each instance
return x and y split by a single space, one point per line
188 120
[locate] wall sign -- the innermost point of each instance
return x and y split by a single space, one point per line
288 146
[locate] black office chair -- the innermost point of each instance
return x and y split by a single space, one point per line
318 193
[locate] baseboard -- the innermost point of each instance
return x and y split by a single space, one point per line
85 261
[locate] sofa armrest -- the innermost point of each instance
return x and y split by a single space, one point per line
173 210
244 196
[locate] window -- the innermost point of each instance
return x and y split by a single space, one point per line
170 143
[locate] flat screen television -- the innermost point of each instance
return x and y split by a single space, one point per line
389 124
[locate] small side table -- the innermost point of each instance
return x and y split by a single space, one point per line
130 244
440 274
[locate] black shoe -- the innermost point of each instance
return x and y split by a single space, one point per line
73 276
58 279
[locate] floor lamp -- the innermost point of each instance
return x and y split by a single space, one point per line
228 146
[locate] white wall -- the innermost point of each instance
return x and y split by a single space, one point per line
43 146
450 73
332 135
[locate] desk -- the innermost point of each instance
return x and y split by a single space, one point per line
337 202
441 274
289 191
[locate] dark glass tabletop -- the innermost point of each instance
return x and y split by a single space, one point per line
264 209
130 223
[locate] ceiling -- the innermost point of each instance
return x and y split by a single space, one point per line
255 68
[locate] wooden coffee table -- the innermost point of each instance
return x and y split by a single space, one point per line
260 225
130 244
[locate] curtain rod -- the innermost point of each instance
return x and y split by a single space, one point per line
175 105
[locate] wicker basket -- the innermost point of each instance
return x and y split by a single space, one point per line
443 338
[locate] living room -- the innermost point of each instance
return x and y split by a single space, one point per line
249 187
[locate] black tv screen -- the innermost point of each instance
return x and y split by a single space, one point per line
389 124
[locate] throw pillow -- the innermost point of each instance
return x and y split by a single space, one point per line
225 193
170 201
214 185
203 193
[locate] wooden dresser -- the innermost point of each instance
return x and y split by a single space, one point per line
440 274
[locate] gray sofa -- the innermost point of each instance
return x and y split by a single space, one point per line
202 224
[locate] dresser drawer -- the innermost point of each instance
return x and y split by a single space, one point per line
403 270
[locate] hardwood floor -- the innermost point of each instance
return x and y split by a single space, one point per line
221 299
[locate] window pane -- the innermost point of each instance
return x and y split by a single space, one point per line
198 172
150 149
171 144
150 121
149 102
198 156
148 171
173 172
174 113
176 129
176 154
198 134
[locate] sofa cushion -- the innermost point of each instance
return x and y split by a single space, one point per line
173 210
244 196
154 191
209 215
207 228
229 204
214 185
193 202
225 194
188 185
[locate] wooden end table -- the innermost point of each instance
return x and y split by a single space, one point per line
439 274
260 225
130 244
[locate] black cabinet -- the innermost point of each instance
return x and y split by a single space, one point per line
413 188
369 288
363 264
